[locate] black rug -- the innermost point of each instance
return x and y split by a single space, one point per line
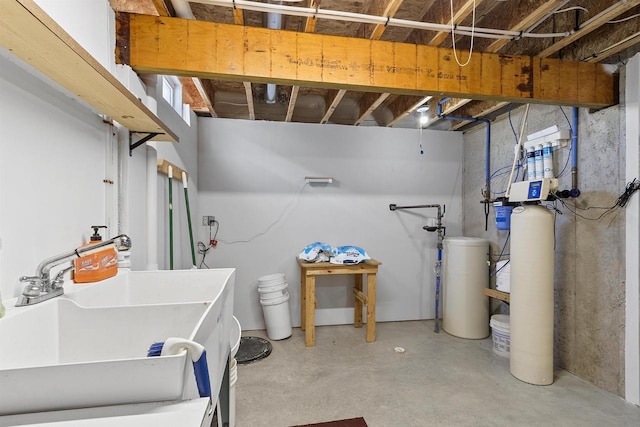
351 422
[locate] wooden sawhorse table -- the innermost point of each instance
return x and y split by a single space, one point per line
308 273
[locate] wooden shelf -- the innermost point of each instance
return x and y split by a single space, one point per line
502 296
33 36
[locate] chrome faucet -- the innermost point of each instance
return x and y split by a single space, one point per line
41 287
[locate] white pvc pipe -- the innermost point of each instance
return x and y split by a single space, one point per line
364 18
152 208
517 152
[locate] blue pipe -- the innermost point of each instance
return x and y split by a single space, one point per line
574 192
487 145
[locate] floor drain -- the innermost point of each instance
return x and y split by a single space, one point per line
252 349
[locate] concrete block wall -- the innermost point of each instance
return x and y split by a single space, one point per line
589 266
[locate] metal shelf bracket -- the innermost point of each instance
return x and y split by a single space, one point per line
147 136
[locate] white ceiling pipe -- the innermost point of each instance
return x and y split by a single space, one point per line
182 8
370 19
274 21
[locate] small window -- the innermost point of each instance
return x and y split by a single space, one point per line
172 93
167 90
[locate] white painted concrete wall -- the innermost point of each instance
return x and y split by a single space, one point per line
53 156
52 163
251 178
632 237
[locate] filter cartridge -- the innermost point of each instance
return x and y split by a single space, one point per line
547 159
539 162
531 164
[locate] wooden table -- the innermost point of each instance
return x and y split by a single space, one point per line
308 273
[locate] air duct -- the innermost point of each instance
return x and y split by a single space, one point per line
274 21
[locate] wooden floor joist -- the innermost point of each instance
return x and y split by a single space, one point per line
176 46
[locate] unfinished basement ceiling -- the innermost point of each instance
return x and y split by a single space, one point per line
591 31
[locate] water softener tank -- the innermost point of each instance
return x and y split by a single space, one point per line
466 273
532 257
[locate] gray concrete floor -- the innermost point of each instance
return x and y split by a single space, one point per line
440 380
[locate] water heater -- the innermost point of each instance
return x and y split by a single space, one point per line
532 258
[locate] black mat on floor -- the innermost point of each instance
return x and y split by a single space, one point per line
351 422
252 349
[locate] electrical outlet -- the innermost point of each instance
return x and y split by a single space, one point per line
208 220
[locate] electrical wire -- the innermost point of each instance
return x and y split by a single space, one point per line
617 21
572 8
566 163
501 254
453 34
621 202
203 248
266 230
376 20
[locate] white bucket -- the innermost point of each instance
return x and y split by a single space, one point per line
233 378
236 332
275 291
271 279
276 317
272 286
501 331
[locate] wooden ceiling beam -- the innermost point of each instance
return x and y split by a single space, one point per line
249 94
368 103
292 102
204 89
592 24
385 8
310 23
176 46
460 15
332 99
402 106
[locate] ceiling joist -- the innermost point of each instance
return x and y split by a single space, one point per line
401 107
591 25
385 8
163 45
332 99
529 19
249 95
310 23
368 103
459 15
292 103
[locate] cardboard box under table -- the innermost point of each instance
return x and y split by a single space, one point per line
308 273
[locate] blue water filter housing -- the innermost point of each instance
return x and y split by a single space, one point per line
503 214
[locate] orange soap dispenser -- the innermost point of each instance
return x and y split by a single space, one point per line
98 264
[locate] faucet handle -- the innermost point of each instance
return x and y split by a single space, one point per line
32 279
59 280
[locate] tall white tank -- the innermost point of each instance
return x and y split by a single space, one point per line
532 256
466 273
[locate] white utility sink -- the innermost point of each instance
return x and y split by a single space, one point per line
88 347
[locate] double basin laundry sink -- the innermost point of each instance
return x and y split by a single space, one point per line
89 346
